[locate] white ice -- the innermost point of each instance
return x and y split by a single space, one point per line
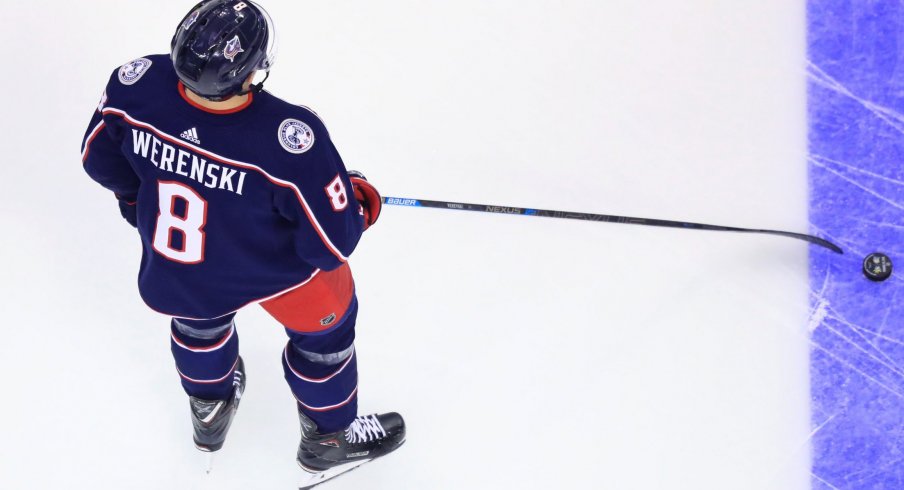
524 352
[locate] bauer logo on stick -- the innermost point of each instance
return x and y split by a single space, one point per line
295 136
132 71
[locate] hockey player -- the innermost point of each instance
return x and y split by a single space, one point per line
240 198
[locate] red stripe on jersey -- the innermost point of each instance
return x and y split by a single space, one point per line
97 130
279 182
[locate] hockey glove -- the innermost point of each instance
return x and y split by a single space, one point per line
368 196
128 210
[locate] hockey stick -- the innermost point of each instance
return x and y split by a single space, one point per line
485 208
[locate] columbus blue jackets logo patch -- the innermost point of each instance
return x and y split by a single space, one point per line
295 136
132 71
233 48
190 21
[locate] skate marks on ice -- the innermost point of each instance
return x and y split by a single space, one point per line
819 77
857 200
870 352
858 366
827 165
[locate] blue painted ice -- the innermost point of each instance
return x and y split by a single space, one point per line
857 200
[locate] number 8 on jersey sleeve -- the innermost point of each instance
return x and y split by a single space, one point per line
337 193
189 226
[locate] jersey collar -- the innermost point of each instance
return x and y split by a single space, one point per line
215 111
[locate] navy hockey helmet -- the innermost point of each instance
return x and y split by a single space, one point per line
220 43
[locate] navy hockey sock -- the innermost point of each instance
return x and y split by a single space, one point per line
322 371
206 353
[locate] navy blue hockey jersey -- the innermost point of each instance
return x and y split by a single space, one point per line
233 206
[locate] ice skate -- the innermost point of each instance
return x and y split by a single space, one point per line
326 456
211 418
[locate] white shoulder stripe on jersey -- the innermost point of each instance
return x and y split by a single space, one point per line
314 113
284 183
90 137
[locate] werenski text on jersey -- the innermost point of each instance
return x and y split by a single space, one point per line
178 161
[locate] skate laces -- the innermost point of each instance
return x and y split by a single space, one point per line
365 429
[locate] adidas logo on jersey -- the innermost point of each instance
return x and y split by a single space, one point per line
191 135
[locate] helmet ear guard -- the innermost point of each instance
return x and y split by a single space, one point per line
219 44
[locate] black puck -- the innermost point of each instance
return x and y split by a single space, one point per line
877 267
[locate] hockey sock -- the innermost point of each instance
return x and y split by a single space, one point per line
206 353
322 371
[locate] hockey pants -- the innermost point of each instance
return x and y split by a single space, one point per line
321 367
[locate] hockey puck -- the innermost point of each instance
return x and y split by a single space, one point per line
877 267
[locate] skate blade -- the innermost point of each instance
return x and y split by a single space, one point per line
311 478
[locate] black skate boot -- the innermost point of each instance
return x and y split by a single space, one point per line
326 456
212 418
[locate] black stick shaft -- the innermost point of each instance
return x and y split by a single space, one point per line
488 208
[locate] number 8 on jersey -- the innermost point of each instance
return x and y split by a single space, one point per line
338 196
180 236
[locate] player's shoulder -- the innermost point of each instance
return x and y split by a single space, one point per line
281 109
299 128
140 77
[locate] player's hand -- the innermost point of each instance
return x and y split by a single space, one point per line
128 210
368 196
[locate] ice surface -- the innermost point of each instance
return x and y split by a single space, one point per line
857 196
525 353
